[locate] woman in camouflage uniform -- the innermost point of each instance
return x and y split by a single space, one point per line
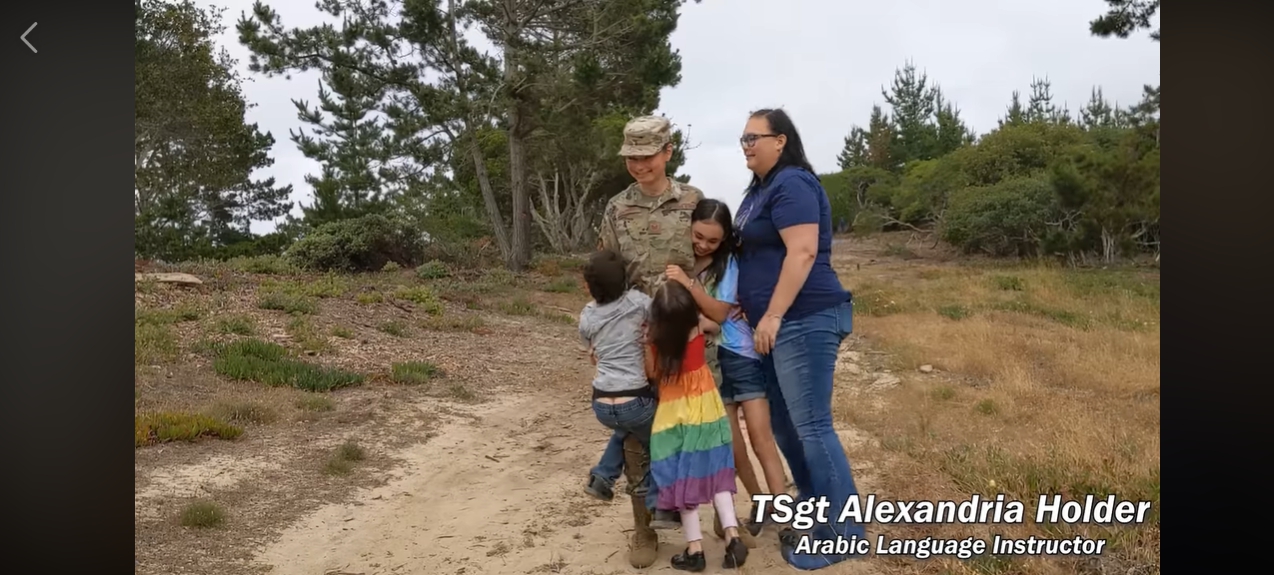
649 225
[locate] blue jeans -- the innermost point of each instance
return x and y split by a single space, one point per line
633 417
799 387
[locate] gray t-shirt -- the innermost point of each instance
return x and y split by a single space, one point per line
614 332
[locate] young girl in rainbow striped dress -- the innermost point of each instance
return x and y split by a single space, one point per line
692 459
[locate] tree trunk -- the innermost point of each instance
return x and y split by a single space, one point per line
470 136
488 198
520 254
561 212
549 215
1108 243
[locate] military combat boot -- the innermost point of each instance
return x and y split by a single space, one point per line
643 548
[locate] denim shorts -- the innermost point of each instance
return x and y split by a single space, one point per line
741 377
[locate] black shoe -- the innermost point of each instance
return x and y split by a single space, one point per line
664 519
789 537
599 489
687 561
736 554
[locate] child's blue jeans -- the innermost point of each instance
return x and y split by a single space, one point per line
631 417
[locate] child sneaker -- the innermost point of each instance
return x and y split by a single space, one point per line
598 488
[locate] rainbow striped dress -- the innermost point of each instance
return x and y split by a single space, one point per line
691 458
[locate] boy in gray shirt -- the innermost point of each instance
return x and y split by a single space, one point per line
613 326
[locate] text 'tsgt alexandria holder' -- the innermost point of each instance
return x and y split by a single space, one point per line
1049 508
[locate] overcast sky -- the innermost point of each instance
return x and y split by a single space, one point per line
825 61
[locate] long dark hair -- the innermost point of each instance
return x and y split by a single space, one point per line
793 152
673 315
716 211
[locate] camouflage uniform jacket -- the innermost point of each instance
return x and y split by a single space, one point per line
651 233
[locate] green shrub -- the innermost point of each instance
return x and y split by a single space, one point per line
164 427
1005 219
203 514
432 270
362 244
268 363
423 297
414 372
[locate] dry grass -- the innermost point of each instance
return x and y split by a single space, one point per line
248 385
1045 380
344 459
458 322
252 345
306 336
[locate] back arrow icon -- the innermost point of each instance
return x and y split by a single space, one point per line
23 37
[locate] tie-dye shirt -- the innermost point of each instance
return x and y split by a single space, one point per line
736 334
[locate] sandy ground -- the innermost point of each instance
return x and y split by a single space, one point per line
497 491
498 495
455 488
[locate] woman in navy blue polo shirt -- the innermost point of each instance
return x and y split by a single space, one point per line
799 313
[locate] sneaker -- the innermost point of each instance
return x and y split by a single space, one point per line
598 488
687 561
663 519
736 554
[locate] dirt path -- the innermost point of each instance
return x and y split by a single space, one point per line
500 493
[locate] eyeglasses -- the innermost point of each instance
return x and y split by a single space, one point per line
749 140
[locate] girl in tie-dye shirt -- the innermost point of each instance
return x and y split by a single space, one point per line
742 382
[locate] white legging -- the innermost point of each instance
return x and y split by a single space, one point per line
724 504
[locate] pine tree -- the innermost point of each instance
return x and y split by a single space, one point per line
1039 107
446 94
854 153
1014 115
912 101
194 190
1125 17
951 131
348 139
1122 19
882 141
1097 113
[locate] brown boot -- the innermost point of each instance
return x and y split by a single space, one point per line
644 546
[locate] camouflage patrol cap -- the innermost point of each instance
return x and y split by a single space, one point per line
646 136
